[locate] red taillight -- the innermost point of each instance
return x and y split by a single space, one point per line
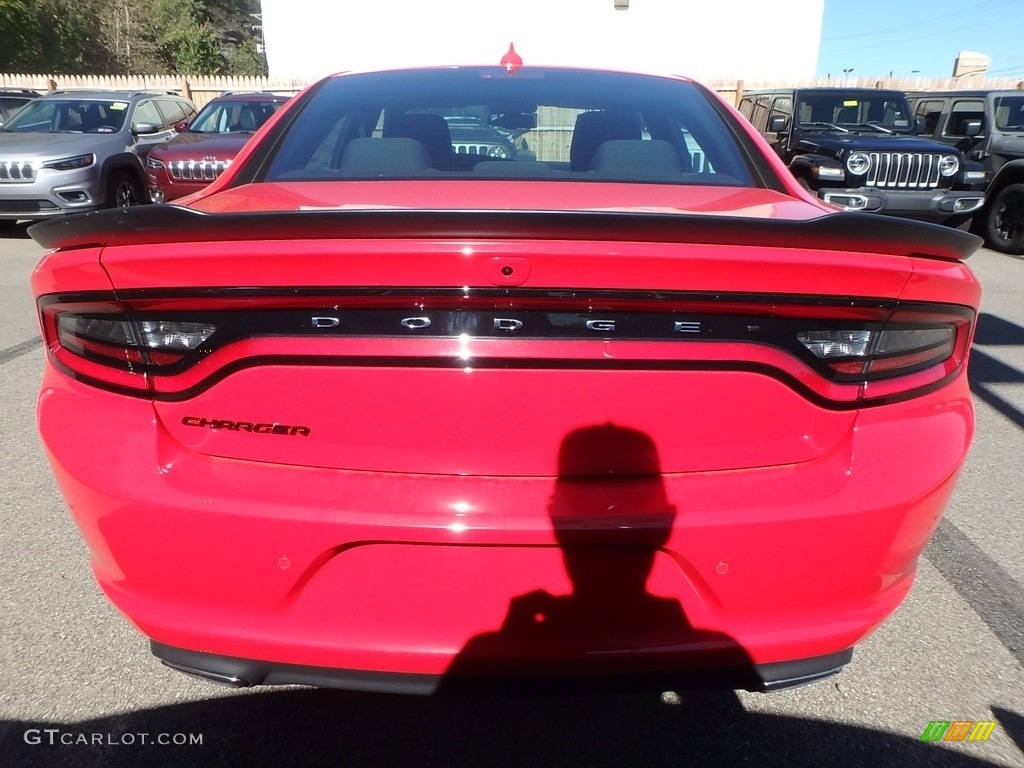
913 349
841 353
102 343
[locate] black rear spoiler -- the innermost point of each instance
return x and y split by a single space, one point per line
858 232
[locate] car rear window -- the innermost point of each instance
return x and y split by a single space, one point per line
539 124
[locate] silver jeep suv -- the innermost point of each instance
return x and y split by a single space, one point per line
74 151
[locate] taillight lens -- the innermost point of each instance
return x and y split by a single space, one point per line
842 353
868 355
109 338
836 343
102 343
912 350
143 342
178 335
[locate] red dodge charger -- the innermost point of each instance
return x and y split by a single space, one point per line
629 408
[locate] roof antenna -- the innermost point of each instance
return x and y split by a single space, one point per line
511 61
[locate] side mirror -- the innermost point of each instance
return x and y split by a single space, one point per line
777 124
919 125
972 127
145 129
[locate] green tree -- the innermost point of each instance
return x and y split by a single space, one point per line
73 41
188 37
246 59
53 36
191 37
19 29
194 51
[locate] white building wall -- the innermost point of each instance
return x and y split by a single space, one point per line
705 39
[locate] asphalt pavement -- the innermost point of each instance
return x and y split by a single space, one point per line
78 686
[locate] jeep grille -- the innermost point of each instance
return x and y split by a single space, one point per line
903 170
462 148
197 170
15 171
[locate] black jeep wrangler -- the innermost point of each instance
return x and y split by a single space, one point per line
988 127
857 148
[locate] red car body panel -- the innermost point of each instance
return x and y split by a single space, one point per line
454 427
316 593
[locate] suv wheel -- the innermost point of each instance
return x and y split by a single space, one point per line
124 191
1005 224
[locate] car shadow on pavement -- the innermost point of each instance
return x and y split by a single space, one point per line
993 329
323 727
985 370
1013 723
18 231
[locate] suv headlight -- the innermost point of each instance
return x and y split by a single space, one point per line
152 162
70 163
858 163
949 165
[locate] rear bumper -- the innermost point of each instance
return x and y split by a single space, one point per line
420 575
244 673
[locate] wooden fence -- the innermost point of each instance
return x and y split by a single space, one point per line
202 89
199 89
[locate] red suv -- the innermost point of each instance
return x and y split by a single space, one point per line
200 154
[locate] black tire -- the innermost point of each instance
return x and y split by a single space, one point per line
6 225
1004 224
124 191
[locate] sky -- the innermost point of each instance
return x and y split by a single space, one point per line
722 38
919 37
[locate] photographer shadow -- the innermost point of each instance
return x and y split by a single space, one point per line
612 518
